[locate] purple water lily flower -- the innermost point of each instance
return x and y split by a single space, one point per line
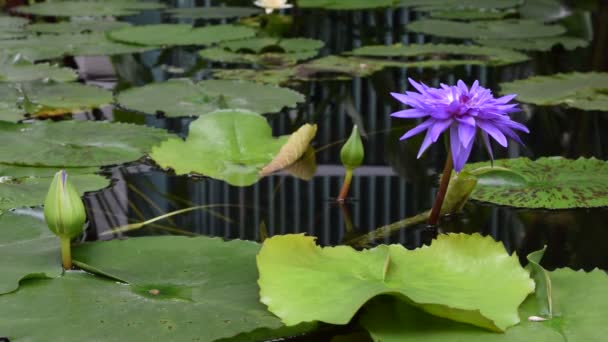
462 110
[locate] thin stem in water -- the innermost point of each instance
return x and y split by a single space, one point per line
348 176
443 188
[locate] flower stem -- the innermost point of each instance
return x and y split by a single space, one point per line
443 188
348 176
66 253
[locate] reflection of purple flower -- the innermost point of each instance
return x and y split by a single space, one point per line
461 110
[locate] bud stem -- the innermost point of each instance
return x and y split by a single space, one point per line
348 176
66 253
443 188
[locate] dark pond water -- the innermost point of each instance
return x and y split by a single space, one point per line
391 185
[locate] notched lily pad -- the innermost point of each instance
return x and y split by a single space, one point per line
28 250
550 183
264 51
78 26
182 97
26 72
536 44
586 91
223 12
492 29
87 8
232 145
442 53
31 191
50 99
76 143
180 34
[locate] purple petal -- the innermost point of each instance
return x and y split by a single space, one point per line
409 114
417 129
460 153
505 98
486 142
400 97
466 133
467 120
493 131
425 144
421 87
438 127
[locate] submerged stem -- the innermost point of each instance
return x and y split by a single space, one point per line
66 253
348 176
443 188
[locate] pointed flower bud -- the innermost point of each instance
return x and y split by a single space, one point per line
63 209
352 152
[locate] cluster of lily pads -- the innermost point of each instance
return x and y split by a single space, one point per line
206 289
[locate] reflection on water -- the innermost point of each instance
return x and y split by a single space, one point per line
392 185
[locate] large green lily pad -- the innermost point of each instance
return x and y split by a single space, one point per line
583 309
179 288
224 12
28 249
439 53
27 192
47 99
25 72
269 76
19 171
78 26
536 44
551 183
346 4
264 51
181 97
231 145
45 47
75 143
180 34
586 91
467 278
493 29
87 8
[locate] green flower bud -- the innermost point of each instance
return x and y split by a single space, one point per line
352 152
63 209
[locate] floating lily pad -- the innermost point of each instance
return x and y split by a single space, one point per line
551 183
11 171
336 67
55 46
264 51
469 14
180 34
346 4
178 288
180 97
467 278
224 12
79 26
583 303
455 5
27 192
75 143
87 8
493 29
230 145
28 250
12 27
444 53
9 109
269 76
536 44
24 72
111 310
50 99
586 91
